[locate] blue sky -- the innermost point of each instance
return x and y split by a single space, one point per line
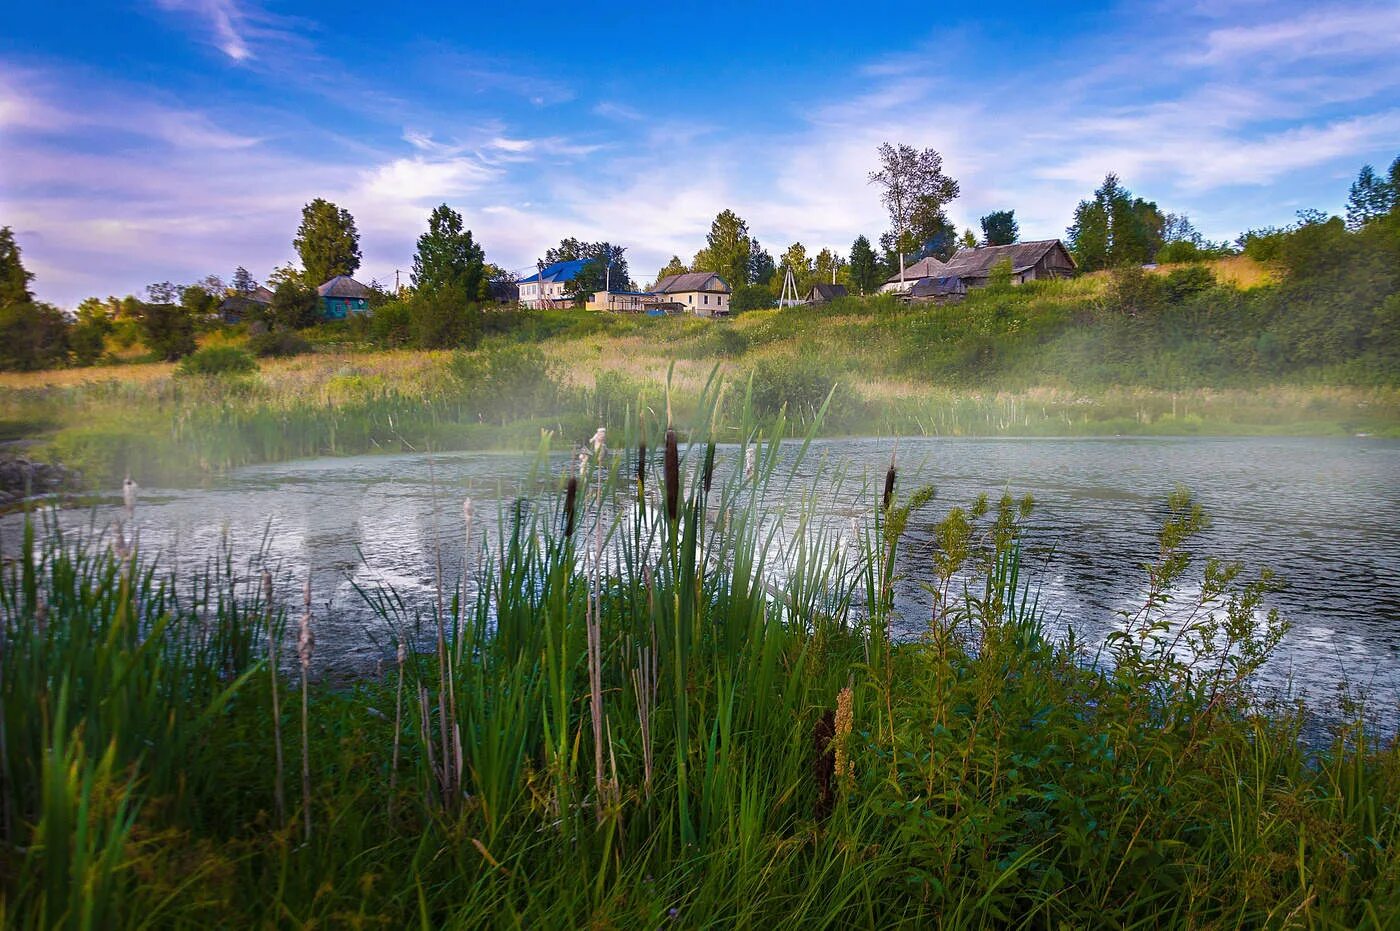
145 140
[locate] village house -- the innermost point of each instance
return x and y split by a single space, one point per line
1030 261
704 294
930 267
545 288
343 296
822 293
620 302
237 306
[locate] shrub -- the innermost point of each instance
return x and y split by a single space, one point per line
167 330
1133 292
794 383
278 344
444 319
390 325
218 360
294 306
32 336
506 381
1182 283
752 297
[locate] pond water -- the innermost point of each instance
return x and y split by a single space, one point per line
1323 514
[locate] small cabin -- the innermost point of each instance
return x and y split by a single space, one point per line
1030 261
824 293
343 296
237 306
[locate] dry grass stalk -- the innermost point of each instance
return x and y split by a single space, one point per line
279 793
398 730
450 775
468 515
306 643
595 632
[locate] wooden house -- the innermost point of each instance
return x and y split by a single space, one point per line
343 296
824 293
237 306
930 267
1030 261
704 294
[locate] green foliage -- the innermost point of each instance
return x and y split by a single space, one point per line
999 228
728 250
864 267
673 267
167 330
607 266
444 319
33 335
915 190
1371 196
798 386
14 277
448 259
295 306
752 297
327 242
391 324
506 381
1114 229
217 360
277 344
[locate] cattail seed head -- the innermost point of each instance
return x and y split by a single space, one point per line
642 465
707 476
129 496
843 731
889 486
599 441
671 470
750 461
402 654
570 502
267 589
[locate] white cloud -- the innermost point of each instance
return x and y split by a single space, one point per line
225 21
1333 33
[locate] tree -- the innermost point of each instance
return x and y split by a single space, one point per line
327 242
448 258
969 239
762 268
167 330
999 228
728 249
87 338
673 267
444 318
828 267
242 283
163 292
33 335
915 192
294 306
795 258
199 301
1115 228
14 278
1369 196
864 270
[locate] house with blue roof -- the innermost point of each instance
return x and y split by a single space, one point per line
545 288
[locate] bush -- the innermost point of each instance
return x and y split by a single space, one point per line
1133 292
444 319
294 306
752 297
218 360
1182 283
391 325
167 330
32 336
794 383
504 382
278 344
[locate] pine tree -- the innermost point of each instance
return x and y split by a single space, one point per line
865 270
14 278
999 228
1369 196
448 258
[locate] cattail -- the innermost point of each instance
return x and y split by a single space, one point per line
842 766
641 467
570 502
306 642
599 441
671 469
129 497
750 461
468 512
278 791
889 485
707 476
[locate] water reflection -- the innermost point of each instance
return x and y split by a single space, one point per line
1324 514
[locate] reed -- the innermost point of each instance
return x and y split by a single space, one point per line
689 714
306 644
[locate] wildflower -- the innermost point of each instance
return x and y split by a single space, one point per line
843 732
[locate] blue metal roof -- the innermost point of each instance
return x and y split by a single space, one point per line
559 271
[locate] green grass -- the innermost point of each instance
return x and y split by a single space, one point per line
657 738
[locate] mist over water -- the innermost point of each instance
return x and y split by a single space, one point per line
1323 514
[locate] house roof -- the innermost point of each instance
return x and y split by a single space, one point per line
822 293
977 263
937 287
691 281
558 272
930 267
343 286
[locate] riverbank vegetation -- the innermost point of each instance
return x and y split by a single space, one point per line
1301 338
637 707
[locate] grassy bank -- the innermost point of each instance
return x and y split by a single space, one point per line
1210 349
658 715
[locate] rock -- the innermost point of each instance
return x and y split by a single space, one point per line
21 477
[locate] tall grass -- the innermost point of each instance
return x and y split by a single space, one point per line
675 701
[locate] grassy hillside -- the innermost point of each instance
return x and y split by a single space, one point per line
1230 347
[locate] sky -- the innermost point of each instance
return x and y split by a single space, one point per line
153 140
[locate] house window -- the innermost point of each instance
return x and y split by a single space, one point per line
707 299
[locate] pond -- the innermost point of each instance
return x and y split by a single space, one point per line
1323 514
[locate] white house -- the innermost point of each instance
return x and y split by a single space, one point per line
704 294
924 268
545 288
